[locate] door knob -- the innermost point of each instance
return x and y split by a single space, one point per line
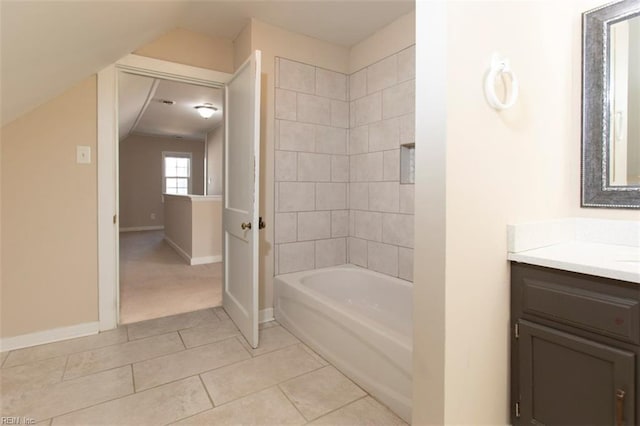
245 225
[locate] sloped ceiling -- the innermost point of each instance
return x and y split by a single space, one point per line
47 46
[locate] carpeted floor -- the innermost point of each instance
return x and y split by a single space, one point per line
156 282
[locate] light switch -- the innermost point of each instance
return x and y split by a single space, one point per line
83 154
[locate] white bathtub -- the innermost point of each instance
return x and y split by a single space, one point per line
360 321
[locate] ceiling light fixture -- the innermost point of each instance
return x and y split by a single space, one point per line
206 110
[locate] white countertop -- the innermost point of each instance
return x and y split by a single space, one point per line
603 260
603 248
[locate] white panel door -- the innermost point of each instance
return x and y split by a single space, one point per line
241 197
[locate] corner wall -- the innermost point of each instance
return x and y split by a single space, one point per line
483 170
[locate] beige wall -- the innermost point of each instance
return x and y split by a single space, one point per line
189 48
273 41
141 176
49 229
387 41
214 160
206 217
178 226
50 220
479 170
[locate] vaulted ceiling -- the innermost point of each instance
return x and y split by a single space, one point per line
47 46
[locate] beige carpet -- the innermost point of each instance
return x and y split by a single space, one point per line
156 282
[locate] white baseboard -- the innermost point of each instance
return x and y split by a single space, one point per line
48 336
142 228
265 315
178 249
205 259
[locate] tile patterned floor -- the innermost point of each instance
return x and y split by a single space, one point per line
187 369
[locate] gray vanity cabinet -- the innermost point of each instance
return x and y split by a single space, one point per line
575 348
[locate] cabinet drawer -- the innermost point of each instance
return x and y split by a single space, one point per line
612 316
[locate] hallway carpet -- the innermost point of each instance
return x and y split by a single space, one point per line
156 282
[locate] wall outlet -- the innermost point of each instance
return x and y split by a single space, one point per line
152 216
83 154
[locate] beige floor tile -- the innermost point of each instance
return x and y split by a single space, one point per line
221 313
153 327
117 355
66 347
314 354
268 407
365 411
56 399
187 363
157 406
24 378
235 381
321 391
271 339
209 333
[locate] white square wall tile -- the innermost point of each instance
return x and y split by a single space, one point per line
296 76
286 230
384 196
331 196
359 196
296 257
368 225
391 165
358 252
382 74
286 104
314 109
359 140
286 166
406 199
382 258
340 114
369 109
397 229
398 100
407 128
296 136
340 168
384 135
331 252
374 166
331 84
407 63
314 167
358 84
331 140
296 196
339 223
405 263
314 225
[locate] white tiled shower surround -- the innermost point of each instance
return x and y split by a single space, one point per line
338 193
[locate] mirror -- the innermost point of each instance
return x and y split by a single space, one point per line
611 106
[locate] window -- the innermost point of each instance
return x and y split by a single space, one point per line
176 167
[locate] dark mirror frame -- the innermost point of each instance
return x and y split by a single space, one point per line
596 191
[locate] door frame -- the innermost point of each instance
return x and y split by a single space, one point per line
107 163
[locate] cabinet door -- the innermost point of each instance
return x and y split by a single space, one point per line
568 380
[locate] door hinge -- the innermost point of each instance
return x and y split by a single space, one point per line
115 218
516 330
261 224
517 410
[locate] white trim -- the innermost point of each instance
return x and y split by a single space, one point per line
49 336
108 292
186 256
203 260
142 228
265 315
